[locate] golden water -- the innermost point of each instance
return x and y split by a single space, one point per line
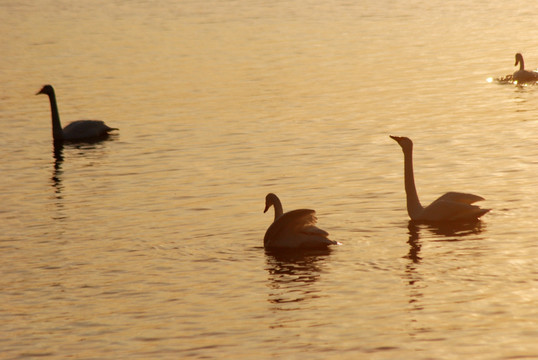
149 245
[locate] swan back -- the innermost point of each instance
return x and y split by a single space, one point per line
453 206
463 198
525 76
84 129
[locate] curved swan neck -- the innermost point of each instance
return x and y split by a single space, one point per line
413 203
278 208
519 59
57 132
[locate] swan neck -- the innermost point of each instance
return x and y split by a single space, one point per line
278 208
521 62
57 132
414 208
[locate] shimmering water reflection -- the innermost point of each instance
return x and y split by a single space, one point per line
150 244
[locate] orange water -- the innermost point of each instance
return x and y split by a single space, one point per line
148 245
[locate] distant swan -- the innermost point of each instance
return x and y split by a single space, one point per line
523 76
293 230
452 206
77 130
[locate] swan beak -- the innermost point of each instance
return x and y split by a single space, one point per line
39 92
267 206
397 138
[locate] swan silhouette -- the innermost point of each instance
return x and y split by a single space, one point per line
522 76
293 230
452 206
77 130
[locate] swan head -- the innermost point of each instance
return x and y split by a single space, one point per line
403 141
519 59
47 89
270 200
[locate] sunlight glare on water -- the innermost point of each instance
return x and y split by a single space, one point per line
150 244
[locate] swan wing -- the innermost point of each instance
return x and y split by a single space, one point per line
82 129
313 230
296 229
292 221
449 210
458 197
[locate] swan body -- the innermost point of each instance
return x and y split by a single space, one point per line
293 230
452 206
77 130
523 76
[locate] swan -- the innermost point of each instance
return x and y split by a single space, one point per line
293 230
523 76
452 206
77 130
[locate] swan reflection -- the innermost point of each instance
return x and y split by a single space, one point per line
86 149
414 279
414 243
442 231
292 276
452 231
58 153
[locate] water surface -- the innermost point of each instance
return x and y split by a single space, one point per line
149 244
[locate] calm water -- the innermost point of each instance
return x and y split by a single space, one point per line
149 244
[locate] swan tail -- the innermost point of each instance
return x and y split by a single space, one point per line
474 213
317 242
